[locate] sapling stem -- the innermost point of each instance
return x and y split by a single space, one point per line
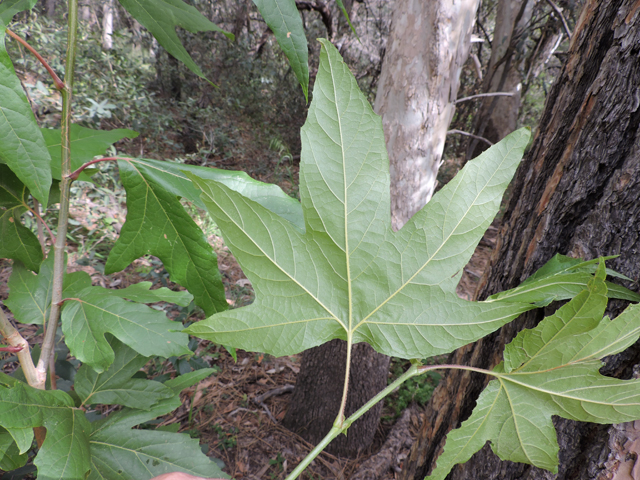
59 261
56 80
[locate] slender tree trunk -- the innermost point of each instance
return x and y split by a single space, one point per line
576 193
498 116
428 44
107 25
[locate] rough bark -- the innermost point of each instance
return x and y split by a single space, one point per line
576 193
429 42
316 399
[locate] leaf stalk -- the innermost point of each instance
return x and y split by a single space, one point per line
76 173
56 80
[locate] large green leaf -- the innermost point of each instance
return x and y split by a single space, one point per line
115 386
284 20
552 369
30 295
95 311
161 17
21 144
12 191
65 451
18 242
349 275
86 143
141 293
8 8
158 224
117 451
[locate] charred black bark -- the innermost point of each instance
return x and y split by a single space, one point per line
578 193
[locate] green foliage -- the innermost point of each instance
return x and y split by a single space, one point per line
349 275
286 24
161 17
552 369
22 147
327 267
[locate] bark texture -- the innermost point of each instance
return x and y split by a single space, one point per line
316 400
428 44
576 193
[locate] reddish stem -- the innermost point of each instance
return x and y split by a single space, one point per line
11 349
56 80
75 174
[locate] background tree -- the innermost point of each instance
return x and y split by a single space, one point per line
575 193
416 99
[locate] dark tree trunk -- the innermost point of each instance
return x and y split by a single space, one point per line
577 193
316 400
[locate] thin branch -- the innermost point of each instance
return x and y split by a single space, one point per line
36 213
14 339
564 21
75 174
460 132
481 95
56 80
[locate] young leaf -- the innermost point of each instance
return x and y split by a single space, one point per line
65 451
552 369
562 278
95 311
158 224
86 144
349 275
22 147
8 8
30 295
284 20
18 242
115 386
161 17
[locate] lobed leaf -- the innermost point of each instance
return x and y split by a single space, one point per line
119 451
96 311
158 224
141 293
348 275
22 147
65 451
161 17
10 455
115 386
552 369
284 20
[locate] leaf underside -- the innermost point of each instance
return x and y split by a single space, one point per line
348 275
550 370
